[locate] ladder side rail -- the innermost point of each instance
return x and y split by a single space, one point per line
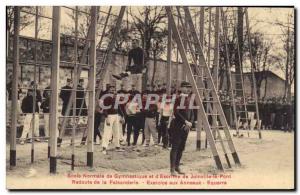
228 67
214 93
252 72
182 51
109 49
242 77
207 96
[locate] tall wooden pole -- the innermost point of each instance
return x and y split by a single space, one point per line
169 59
216 60
252 72
201 26
35 84
183 71
239 51
91 88
216 49
201 38
15 79
54 87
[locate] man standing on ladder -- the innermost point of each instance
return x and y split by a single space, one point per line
137 55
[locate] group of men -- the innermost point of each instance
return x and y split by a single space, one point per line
274 113
148 113
164 123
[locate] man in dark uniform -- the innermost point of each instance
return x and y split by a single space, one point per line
98 117
180 127
136 54
65 95
81 108
28 110
38 96
133 91
80 99
122 90
148 90
45 106
164 88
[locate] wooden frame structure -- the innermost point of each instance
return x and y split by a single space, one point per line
209 81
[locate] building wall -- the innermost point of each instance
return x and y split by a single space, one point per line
275 86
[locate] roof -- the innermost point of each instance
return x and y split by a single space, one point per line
268 73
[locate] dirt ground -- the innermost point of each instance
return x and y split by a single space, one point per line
266 164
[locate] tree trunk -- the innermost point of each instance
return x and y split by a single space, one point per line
239 51
265 90
286 83
154 68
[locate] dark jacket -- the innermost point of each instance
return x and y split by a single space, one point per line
151 112
9 90
80 101
45 106
47 92
65 95
181 114
137 56
27 105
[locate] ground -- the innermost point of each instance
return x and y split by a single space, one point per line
266 164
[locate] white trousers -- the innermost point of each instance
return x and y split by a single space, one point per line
111 130
28 125
47 126
135 79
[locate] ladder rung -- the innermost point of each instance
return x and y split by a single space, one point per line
200 76
217 127
72 117
204 89
84 90
206 101
209 114
78 63
236 74
221 140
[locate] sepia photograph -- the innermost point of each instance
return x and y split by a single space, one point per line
150 97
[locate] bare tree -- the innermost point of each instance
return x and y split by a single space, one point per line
150 23
261 48
286 60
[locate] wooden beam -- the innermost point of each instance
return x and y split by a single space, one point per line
53 122
201 26
252 72
15 79
169 59
91 88
216 49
